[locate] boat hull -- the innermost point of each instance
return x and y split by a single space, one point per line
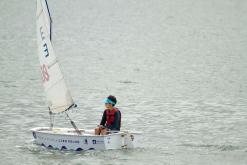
68 139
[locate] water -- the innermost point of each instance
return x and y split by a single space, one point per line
178 69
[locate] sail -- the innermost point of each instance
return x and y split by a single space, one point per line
58 96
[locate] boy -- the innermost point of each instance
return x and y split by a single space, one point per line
111 119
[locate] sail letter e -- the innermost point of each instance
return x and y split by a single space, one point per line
44 72
41 33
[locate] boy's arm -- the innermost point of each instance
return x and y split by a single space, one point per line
103 120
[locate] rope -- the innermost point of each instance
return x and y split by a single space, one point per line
73 124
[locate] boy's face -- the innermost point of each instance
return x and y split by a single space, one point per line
108 106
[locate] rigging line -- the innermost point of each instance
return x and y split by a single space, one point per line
73 124
50 18
48 9
51 118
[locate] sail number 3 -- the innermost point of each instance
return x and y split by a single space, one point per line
44 72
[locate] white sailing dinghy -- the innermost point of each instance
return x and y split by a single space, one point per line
60 101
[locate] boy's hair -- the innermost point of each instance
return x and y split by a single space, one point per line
113 99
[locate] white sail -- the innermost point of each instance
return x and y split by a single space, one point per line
58 96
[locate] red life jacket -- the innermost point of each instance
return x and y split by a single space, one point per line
110 116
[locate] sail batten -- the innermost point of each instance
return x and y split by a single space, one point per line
38 15
58 95
47 89
51 64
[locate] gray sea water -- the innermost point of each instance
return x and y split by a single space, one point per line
178 69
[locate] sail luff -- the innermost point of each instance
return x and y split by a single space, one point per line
49 18
58 95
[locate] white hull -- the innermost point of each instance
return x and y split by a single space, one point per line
68 139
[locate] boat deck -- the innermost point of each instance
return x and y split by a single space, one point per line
64 131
